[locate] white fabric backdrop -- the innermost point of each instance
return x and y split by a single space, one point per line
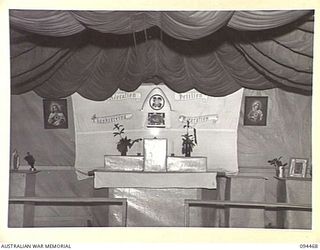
217 140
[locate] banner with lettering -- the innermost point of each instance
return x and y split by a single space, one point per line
156 111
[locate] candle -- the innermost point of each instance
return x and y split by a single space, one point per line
139 148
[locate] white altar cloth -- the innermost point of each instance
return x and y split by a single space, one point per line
154 180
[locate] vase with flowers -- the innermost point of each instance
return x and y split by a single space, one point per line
124 143
279 166
188 140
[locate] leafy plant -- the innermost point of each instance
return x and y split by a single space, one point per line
124 143
276 162
188 140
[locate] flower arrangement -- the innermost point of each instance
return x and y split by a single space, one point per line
188 140
279 166
124 143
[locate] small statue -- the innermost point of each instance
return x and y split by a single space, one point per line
29 158
15 160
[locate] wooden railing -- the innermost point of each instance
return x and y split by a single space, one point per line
72 201
239 204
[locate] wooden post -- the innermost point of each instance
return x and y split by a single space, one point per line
186 214
124 213
28 211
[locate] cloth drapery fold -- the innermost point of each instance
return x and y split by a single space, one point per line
263 19
185 25
58 53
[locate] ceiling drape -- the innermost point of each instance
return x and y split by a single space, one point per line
186 25
57 53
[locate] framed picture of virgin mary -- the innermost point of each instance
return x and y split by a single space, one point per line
255 111
55 113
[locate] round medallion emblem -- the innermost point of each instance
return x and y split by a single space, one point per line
156 102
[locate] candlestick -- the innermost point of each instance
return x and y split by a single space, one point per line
139 148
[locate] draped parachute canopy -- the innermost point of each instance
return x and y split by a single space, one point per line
57 53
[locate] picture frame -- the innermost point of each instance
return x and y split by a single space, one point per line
298 167
55 113
255 111
156 120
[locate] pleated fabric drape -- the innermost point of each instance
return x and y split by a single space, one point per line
58 53
186 25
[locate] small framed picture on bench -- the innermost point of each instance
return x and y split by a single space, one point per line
298 167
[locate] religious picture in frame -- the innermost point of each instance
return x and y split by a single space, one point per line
255 111
156 120
55 113
298 167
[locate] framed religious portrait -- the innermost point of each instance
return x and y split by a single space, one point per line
156 120
55 113
298 167
255 111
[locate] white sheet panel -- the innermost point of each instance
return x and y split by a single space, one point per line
217 139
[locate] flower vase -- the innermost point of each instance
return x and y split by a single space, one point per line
280 172
122 148
187 150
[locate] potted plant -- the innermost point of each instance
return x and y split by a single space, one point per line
124 143
279 166
188 140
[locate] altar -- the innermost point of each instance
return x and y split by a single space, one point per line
155 207
155 185
154 199
160 148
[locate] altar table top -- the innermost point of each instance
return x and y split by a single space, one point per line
104 179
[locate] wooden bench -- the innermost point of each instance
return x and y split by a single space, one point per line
71 201
239 204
